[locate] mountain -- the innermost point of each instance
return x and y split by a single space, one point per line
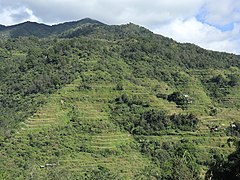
2 27
42 30
86 100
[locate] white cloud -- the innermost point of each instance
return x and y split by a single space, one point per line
10 16
206 36
221 12
173 18
113 12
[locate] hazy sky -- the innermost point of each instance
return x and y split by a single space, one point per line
212 24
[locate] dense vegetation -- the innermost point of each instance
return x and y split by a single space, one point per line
226 169
133 115
172 161
84 100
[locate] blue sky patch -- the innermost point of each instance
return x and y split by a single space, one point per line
201 18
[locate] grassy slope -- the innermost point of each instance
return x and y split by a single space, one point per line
97 142
94 140
79 136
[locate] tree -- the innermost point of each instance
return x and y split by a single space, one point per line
230 169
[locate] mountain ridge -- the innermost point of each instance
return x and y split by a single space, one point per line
95 101
42 30
84 20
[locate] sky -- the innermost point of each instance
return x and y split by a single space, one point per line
211 24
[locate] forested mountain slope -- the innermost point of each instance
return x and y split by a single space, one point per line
88 100
42 30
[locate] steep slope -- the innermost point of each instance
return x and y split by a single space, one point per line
74 134
114 102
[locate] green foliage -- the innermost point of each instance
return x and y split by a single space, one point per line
43 31
213 111
182 100
119 86
84 86
221 169
163 96
134 116
234 129
131 101
176 161
119 70
101 173
185 121
219 86
36 68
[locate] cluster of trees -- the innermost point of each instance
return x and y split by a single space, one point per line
221 169
171 160
158 52
131 100
101 173
25 155
159 120
234 129
44 31
219 86
182 100
32 68
134 115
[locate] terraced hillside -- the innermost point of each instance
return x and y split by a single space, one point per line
95 140
73 134
115 102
